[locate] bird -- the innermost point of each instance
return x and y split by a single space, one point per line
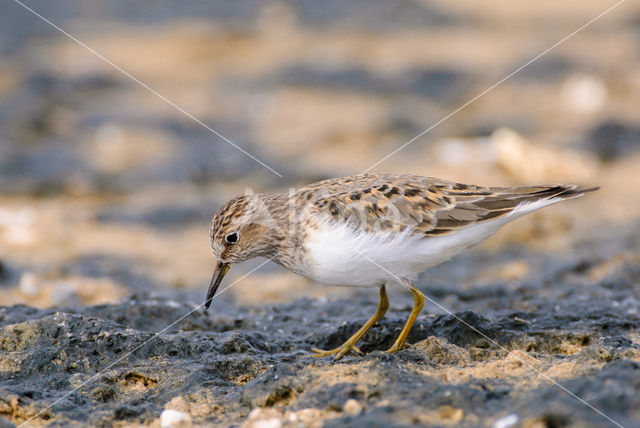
369 230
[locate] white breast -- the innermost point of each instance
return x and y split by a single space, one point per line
341 255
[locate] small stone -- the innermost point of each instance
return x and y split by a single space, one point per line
263 418
450 414
17 227
438 350
310 417
174 418
506 422
29 284
290 417
351 407
526 160
583 93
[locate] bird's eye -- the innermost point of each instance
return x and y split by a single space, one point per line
231 238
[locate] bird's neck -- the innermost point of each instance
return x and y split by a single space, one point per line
285 228
269 214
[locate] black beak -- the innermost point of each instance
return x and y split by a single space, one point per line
216 279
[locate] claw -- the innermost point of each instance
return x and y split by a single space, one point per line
395 348
339 352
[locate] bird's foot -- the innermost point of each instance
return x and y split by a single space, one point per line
396 348
339 352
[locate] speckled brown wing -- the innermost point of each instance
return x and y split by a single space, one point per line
428 206
500 201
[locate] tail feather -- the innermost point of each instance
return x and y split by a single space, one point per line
576 192
506 199
534 193
502 202
533 201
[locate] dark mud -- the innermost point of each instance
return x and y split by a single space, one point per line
574 320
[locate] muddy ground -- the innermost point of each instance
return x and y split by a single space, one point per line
106 192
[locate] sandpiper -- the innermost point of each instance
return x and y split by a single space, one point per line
369 230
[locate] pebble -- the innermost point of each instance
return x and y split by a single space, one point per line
29 284
506 422
526 161
583 93
17 227
352 408
263 418
174 418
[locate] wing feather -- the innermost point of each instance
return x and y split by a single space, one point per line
427 206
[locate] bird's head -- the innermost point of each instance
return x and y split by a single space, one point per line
245 227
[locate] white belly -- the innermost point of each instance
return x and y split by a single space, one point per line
339 255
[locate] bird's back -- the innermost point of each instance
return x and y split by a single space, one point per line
429 206
407 223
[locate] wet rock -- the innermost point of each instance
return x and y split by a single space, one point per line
47 152
440 351
546 68
43 170
170 216
236 15
612 139
51 85
445 85
354 79
438 83
223 369
277 386
466 328
106 266
378 15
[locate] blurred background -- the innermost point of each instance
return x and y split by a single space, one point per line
107 190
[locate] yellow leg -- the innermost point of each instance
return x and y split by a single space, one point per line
418 303
350 344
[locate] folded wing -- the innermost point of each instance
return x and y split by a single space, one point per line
428 206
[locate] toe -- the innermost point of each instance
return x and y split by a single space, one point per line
395 348
346 349
320 353
338 352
